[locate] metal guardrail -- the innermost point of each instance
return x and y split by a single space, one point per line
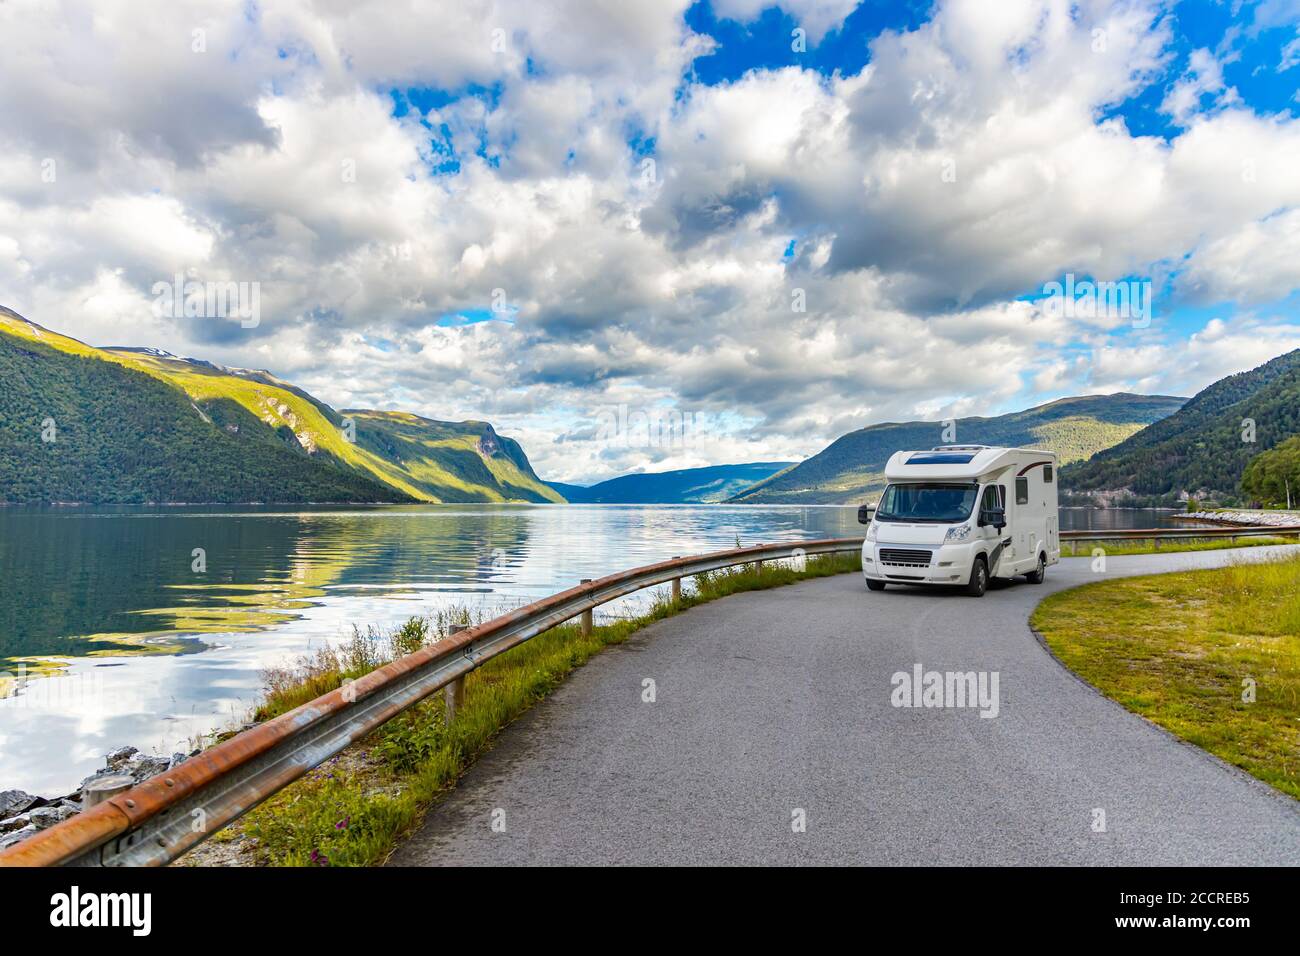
1231 532
160 819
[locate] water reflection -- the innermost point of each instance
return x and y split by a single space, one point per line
116 638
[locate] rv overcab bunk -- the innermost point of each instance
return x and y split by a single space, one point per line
962 515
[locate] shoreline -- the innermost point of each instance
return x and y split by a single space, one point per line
1247 518
24 814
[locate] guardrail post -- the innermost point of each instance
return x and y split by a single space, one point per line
105 788
677 585
1155 544
586 615
454 693
758 566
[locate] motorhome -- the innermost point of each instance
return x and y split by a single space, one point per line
962 515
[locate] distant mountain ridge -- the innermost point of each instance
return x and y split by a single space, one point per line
851 468
710 484
134 425
1201 449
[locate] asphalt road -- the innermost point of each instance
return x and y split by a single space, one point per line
777 701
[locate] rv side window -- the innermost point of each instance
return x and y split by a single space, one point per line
1022 491
1047 474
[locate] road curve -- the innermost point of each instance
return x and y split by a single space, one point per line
776 700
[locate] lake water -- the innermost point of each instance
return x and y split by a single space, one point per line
1114 519
113 637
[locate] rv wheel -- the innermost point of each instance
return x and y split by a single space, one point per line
875 585
979 578
1036 576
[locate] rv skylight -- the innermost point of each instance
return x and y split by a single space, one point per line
940 458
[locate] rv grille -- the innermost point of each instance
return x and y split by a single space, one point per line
905 558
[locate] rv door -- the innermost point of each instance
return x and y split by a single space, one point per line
994 502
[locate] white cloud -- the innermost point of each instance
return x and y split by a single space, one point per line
1204 78
1174 366
968 164
1290 55
817 17
1254 265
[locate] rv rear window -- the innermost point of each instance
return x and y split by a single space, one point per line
940 458
1047 474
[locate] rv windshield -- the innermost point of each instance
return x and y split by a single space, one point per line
940 503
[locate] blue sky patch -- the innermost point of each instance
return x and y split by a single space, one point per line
767 42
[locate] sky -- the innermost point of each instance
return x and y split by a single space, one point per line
640 235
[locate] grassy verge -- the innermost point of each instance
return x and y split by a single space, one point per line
352 809
1169 546
1184 650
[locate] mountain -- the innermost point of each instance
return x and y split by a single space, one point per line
852 466
687 486
1200 450
140 425
451 461
570 493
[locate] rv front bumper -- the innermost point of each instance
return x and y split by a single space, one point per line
917 564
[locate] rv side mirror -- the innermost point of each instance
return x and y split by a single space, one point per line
864 514
994 516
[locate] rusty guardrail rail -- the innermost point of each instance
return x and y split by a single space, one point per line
160 819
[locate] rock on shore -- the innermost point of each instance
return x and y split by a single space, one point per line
22 814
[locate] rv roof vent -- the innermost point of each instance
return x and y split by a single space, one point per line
959 447
940 458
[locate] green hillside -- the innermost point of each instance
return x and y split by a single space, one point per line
1200 449
851 468
141 426
1273 477
684 486
452 461
121 436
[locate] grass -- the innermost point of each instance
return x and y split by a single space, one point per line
1169 546
352 810
1183 650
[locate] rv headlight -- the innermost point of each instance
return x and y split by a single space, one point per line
871 532
959 533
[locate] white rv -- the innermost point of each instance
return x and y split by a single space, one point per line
962 514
